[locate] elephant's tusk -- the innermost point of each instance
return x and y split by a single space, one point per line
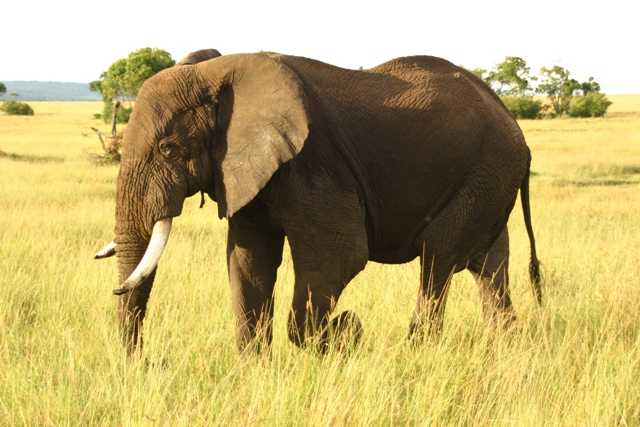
149 261
106 252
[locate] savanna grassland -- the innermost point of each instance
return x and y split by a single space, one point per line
573 362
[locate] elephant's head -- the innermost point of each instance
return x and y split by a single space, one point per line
222 126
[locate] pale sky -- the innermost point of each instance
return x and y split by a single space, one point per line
75 41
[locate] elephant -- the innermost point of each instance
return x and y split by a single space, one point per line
415 157
199 56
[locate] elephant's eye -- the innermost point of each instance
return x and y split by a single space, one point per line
166 148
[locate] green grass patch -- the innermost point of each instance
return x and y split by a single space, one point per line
31 159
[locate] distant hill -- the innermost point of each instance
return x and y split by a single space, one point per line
49 91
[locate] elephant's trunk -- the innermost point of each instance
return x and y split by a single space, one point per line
137 261
132 306
137 264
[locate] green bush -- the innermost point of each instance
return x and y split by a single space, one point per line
593 104
123 113
16 108
522 107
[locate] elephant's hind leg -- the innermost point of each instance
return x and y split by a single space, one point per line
435 279
491 271
446 246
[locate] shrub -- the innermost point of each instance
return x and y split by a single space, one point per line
593 104
522 107
16 108
122 115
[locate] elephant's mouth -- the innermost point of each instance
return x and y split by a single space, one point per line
149 261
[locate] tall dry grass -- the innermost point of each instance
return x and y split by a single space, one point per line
575 361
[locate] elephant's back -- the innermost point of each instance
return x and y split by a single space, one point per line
399 66
437 75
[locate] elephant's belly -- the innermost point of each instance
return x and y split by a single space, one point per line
399 255
392 240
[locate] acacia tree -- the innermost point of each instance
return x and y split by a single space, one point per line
590 86
510 77
567 95
559 88
123 79
478 72
510 80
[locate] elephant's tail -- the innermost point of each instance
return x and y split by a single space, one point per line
534 264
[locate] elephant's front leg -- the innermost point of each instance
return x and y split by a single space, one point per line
310 324
254 253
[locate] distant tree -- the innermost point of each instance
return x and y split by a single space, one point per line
111 144
15 108
558 87
589 86
123 79
509 80
567 95
96 86
478 72
3 89
510 77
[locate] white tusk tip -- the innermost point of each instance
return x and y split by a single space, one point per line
106 252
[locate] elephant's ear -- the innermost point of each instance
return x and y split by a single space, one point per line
262 115
199 56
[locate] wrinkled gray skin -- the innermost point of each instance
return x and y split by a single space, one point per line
413 158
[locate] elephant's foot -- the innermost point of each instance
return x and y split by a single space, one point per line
501 320
342 333
421 331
